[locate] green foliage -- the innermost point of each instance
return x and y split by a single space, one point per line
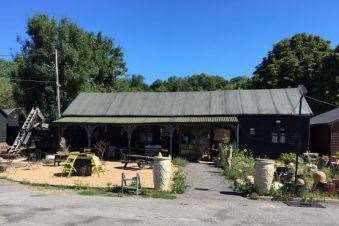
254 196
6 89
281 194
87 61
302 59
223 158
244 188
151 193
287 158
178 161
112 188
199 82
242 165
179 182
312 197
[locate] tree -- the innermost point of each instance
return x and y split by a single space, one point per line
87 61
137 83
6 94
239 82
327 83
198 82
294 61
158 86
206 82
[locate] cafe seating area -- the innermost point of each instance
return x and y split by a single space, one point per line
78 169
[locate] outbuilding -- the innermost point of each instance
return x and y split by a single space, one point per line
265 121
325 133
10 123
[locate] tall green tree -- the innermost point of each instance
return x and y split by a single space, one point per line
137 83
158 86
197 82
294 61
6 91
87 61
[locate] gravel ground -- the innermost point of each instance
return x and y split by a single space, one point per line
47 174
208 201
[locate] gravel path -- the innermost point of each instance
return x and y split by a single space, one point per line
209 201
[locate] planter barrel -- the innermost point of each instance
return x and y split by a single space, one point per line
162 172
263 174
336 183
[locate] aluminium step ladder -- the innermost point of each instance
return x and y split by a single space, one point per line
26 130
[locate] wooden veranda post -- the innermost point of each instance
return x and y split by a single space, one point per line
171 129
129 130
89 129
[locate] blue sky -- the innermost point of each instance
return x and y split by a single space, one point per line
163 38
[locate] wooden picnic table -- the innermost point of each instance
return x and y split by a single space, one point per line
140 160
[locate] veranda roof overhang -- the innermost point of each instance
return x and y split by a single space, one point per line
146 120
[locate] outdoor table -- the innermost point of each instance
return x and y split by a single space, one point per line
141 160
61 157
83 165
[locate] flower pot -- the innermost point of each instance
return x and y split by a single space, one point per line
329 187
319 177
263 174
336 183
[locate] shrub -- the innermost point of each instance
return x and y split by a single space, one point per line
287 158
254 196
178 161
244 188
179 182
312 197
223 157
242 165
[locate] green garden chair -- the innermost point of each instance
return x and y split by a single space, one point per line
69 165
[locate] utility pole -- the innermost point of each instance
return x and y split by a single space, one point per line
303 92
57 83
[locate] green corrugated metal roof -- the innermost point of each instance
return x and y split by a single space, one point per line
181 104
146 120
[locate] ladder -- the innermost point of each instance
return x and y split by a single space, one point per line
25 132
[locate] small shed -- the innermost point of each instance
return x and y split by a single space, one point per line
325 132
10 123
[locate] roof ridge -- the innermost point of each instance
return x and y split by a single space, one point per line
203 91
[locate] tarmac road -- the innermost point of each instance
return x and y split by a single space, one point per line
209 201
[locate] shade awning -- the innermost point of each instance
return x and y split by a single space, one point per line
148 120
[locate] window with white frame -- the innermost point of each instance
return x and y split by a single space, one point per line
279 136
274 137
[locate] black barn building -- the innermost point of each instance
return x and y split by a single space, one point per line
265 121
10 123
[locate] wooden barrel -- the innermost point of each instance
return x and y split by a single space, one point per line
83 166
